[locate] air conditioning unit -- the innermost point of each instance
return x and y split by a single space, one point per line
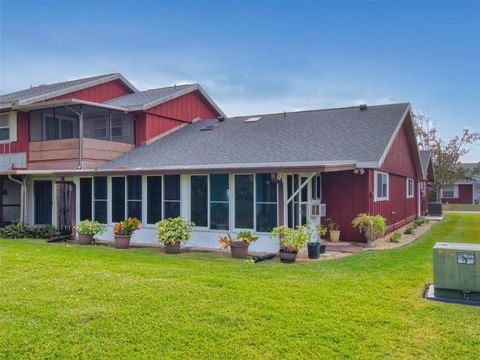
456 271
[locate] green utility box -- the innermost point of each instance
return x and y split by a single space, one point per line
456 270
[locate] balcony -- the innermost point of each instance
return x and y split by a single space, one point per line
78 137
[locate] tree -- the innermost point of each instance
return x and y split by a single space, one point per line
446 154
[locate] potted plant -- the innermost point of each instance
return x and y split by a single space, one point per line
172 232
291 240
239 245
315 248
334 230
123 230
370 225
87 229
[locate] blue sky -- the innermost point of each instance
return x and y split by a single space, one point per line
260 57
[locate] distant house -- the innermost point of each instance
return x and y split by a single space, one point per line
465 191
98 148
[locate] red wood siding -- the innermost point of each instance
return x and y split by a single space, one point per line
345 195
164 117
400 157
21 145
424 199
398 210
465 195
98 93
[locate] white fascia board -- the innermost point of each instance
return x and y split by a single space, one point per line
57 103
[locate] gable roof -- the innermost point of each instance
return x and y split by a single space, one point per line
343 136
44 92
143 100
470 166
425 156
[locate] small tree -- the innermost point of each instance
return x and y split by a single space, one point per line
446 154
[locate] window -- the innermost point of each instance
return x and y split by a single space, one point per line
100 199
199 200
42 192
219 202
154 199
100 128
266 203
4 126
134 196
85 199
171 195
448 192
409 188
380 186
118 199
117 127
316 188
57 127
244 202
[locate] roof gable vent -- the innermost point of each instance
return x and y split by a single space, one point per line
253 119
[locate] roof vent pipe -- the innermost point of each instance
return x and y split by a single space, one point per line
221 119
363 107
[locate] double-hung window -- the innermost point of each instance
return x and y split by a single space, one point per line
134 197
448 192
266 203
171 196
5 126
381 186
409 188
100 199
317 188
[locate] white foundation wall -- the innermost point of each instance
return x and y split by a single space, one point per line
201 239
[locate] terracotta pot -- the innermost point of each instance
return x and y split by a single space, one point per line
173 248
85 239
334 235
288 256
239 249
122 241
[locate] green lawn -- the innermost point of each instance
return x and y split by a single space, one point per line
69 301
461 207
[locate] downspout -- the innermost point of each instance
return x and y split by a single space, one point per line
22 196
80 135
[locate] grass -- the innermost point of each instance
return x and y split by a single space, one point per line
69 301
461 207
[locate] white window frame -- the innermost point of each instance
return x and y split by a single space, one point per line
12 127
94 199
316 179
454 189
408 182
377 198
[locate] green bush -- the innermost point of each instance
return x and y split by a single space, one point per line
170 231
87 227
410 230
15 230
292 239
395 237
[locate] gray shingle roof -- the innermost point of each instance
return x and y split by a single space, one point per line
143 98
472 166
43 92
345 135
424 159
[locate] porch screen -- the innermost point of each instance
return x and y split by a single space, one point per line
244 201
171 192
85 199
134 196
100 199
266 202
43 203
154 199
118 199
219 214
199 200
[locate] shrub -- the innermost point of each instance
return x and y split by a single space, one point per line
410 230
395 237
15 230
87 227
371 225
321 230
292 239
245 236
332 225
172 230
127 227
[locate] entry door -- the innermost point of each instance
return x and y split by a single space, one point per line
298 207
42 190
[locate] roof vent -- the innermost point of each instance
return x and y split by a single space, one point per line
208 127
363 107
253 119
221 119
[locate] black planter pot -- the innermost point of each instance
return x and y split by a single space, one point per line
313 250
287 257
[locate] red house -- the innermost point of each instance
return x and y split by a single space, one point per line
98 148
466 191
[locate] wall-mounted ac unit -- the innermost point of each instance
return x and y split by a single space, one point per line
456 271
